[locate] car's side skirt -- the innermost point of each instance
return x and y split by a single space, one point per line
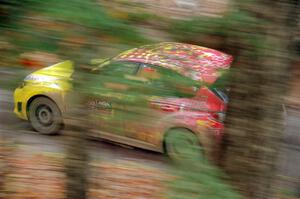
124 140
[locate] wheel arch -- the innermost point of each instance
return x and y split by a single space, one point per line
176 128
30 100
204 139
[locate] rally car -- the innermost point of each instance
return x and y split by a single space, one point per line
160 97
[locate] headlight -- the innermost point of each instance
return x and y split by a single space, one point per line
40 78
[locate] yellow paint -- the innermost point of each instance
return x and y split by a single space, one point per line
201 122
52 81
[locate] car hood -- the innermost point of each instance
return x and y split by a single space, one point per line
62 70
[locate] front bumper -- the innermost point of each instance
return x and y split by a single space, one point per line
20 103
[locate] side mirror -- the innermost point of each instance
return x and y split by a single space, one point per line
98 61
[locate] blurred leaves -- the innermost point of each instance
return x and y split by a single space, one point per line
199 180
213 32
89 14
53 26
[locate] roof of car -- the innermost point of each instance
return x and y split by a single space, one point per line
199 63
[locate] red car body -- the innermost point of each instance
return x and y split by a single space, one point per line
201 114
138 97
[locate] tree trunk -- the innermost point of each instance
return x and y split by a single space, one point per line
260 77
77 158
3 163
76 162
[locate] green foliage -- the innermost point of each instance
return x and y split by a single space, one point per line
86 19
9 10
37 42
200 180
195 28
88 14
202 25
141 17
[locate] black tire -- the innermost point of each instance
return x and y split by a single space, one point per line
181 144
45 116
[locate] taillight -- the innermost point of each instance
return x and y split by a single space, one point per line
215 116
220 116
215 124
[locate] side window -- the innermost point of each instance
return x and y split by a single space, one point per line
110 77
149 72
160 74
118 69
168 81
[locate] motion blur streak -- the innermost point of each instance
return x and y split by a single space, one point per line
149 99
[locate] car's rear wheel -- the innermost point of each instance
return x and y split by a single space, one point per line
45 116
181 144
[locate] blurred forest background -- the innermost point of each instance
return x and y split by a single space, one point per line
261 35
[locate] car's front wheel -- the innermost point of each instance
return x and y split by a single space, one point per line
181 144
45 116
